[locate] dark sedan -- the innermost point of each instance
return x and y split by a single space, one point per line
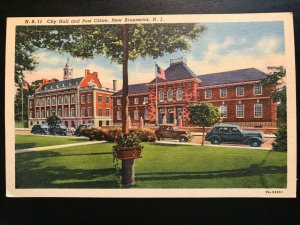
40 129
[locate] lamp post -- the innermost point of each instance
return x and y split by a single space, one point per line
21 82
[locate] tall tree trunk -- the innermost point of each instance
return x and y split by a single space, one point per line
125 81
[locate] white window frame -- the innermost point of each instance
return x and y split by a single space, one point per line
47 112
59 113
43 113
72 112
136 114
53 98
146 99
72 99
223 108
146 115
100 98
237 91
255 89
136 101
59 100
48 101
255 110
208 94
89 98
107 111
30 114
168 95
177 94
100 111
237 111
82 100
66 112
83 110
161 95
37 113
119 101
119 115
90 111
30 104
107 99
66 99
223 91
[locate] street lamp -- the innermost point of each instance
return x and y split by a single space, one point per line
21 82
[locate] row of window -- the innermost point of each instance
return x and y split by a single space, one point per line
257 90
240 110
136 101
52 100
107 99
170 95
100 113
136 114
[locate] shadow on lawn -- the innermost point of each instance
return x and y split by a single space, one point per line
30 174
25 145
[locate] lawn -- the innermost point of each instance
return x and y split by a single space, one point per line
32 141
162 166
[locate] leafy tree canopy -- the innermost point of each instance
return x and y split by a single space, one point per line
204 114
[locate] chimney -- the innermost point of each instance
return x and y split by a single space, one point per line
87 72
114 85
95 74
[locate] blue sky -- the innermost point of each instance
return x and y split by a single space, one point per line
222 47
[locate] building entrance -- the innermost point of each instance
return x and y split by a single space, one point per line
170 115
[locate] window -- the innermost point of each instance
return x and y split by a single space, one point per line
257 89
107 112
170 95
82 111
30 114
240 111
82 99
136 114
89 98
53 112
99 112
48 100
66 112
118 101
208 93
136 100
90 112
223 110
179 94
53 100
161 95
72 99
146 99
37 114
30 104
43 113
60 100
37 102
48 112
66 99
119 115
240 91
223 93
146 114
258 110
107 99
100 98
59 112
72 112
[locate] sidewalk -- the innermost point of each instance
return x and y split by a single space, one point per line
56 146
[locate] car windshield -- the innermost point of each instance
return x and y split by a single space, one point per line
44 126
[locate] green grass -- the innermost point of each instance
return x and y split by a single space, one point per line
32 141
162 166
19 125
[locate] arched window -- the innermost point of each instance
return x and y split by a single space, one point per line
170 95
179 94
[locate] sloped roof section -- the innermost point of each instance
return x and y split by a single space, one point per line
134 89
235 76
61 84
176 71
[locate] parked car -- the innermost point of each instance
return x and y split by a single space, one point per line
40 129
170 131
234 134
59 129
81 127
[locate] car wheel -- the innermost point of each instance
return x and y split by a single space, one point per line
255 143
183 139
215 141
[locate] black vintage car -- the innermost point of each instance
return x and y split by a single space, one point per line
169 131
40 129
81 127
59 129
234 134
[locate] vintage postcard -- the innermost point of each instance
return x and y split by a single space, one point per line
147 106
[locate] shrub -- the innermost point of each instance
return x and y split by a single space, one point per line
144 134
280 143
113 134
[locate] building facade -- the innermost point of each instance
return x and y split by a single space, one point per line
237 94
75 100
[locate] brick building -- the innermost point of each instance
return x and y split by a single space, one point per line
75 100
237 93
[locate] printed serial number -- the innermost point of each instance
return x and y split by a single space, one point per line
274 192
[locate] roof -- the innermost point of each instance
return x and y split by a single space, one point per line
134 89
176 71
60 84
234 76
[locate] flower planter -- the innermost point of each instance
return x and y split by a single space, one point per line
124 153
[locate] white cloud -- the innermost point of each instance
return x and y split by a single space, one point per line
268 45
229 41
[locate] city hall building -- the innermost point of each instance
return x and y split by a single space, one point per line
75 100
238 95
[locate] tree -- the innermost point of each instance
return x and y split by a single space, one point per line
119 43
52 121
276 78
204 115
